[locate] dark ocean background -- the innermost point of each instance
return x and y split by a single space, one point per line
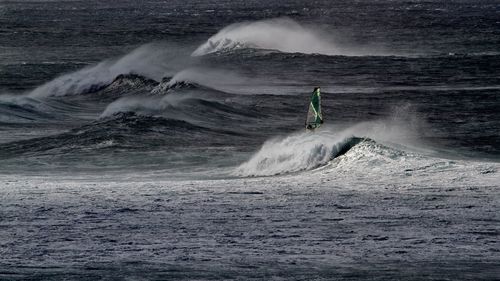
101 102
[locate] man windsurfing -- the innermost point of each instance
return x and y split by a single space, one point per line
314 117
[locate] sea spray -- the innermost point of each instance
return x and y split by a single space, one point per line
308 150
151 61
292 153
281 34
145 105
284 35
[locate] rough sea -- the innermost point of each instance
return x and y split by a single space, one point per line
165 140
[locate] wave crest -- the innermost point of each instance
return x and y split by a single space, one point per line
144 61
295 153
284 35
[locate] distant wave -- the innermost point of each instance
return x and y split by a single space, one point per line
191 93
27 109
165 96
468 54
146 61
281 34
18 109
144 105
209 78
197 107
15 109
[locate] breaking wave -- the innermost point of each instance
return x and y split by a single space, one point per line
281 34
147 61
295 153
202 92
27 108
198 107
219 79
306 150
344 157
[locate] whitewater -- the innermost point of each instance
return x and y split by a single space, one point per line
157 141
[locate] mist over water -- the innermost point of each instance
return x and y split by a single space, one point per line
302 151
280 34
151 61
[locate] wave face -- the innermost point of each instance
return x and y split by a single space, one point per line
280 34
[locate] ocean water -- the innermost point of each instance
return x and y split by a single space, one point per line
157 140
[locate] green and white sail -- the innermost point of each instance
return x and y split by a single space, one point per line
314 117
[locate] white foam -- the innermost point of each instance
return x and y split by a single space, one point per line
306 150
296 152
144 61
146 105
210 77
365 166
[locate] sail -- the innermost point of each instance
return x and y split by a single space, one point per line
314 117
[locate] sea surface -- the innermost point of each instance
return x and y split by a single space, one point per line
165 140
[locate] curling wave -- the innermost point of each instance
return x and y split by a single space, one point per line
143 61
295 153
306 151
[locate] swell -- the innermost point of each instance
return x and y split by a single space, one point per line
186 100
193 111
22 109
124 93
122 131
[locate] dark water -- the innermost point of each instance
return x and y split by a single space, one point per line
436 62
191 90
